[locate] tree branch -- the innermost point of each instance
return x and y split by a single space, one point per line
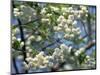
22 39
90 44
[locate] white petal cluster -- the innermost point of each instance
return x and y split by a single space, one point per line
43 11
68 25
25 14
56 9
39 61
59 54
16 12
45 20
78 52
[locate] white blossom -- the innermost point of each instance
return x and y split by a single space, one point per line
21 44
28 42
32 37
45 20
69 21
39 38
60 18
13 38
19 39
63 46
71 17
43 11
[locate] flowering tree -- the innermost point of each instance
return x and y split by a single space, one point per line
48 37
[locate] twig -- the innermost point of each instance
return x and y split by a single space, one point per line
14 64
22 39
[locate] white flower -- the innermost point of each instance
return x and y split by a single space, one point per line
71 17
74 23
82 50
35 60
74 30
57 50
86 15
66 36
68 67
27 47
88 57
69 21
63 9
26 67
39 38
19 39
65 26
16 14
30 50
77 53
43 11
56 9
28 42
16 31
22 6
29 59
60 18
45 20
48 15
45 61
81 12
69 49
60 25
67 30
21 44
51 64
41 53
83 8
78 32
16 9
31 37
63 46
57 28
70 8
28 54
13 38
79 16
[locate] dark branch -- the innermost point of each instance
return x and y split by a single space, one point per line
14 64
90 44
22 39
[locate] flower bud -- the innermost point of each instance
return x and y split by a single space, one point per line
21 44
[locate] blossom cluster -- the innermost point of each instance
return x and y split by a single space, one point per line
42 60
25 13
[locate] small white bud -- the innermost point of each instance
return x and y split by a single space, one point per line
16 9
44 20
66 36
63 46
71 17
77 53
21 44
13 38
30 50
19 39
69 21
72 35
28 42
31 37
22 6
39 38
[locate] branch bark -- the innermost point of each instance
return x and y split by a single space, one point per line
22 39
